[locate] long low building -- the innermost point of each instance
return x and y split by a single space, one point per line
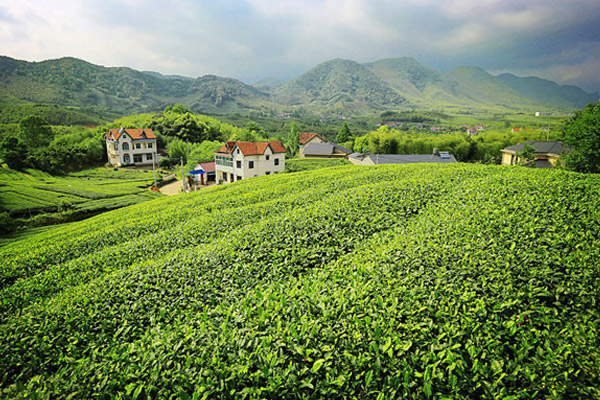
375 159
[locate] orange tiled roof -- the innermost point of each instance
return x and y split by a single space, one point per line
136 134
306 136
252 148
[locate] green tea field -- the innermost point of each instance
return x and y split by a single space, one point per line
88 191
422 281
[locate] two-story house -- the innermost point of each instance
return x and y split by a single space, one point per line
238 160
131 146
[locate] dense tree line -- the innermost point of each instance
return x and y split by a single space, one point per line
484 147
56 150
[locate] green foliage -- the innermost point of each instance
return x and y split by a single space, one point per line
25 195
527 155
54 114
582 134
309 164
485 147
449 281
202 152
35 132
293 140
344 134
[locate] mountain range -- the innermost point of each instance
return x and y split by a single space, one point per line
337 85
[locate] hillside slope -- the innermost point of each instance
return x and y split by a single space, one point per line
460 280
335 85
339 84
73 82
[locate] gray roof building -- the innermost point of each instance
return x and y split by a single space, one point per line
376 159
547 153
325 149
541 147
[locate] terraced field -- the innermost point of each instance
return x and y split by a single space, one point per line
25 194
420 281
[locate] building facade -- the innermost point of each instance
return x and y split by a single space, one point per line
238 160
131 146
306 138
547 153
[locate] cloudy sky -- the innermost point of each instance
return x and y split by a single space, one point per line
253 39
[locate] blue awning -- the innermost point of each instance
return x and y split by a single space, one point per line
196 172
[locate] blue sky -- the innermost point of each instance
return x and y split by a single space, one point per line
253 39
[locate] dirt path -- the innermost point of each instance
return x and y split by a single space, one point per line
174 188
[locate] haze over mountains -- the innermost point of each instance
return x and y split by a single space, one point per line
336 85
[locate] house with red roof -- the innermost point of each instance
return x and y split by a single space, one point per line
130 146
307 138
237 160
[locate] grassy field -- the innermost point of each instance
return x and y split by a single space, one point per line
309 164
30 193
421 281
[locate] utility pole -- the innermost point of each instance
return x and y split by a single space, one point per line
154 167
182 175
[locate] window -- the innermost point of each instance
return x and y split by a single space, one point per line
224 161
268 173
268 157
276 161
137 158
149 145
238 178
250 164
238 164
149 157
138 145
125 146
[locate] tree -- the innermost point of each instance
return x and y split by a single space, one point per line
527 155
582 135
344 134
35 132
293 139
14 152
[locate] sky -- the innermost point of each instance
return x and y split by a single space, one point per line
253 39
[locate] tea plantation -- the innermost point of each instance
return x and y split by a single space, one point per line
422 281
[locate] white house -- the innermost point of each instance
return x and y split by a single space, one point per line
131 146
238 160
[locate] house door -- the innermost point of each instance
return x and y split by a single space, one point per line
126 159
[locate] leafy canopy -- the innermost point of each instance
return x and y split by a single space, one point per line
582 134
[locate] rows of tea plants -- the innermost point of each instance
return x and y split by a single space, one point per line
34 191
421 281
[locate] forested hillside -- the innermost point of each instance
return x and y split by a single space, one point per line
341 86
424 281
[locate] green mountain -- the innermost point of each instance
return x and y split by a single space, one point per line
345 282
548 92
421 85
336 85
73 82
339 85
268 83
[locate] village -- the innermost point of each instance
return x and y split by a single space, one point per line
238 160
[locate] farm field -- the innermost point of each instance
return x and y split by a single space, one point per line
93 190
310 163
396 281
